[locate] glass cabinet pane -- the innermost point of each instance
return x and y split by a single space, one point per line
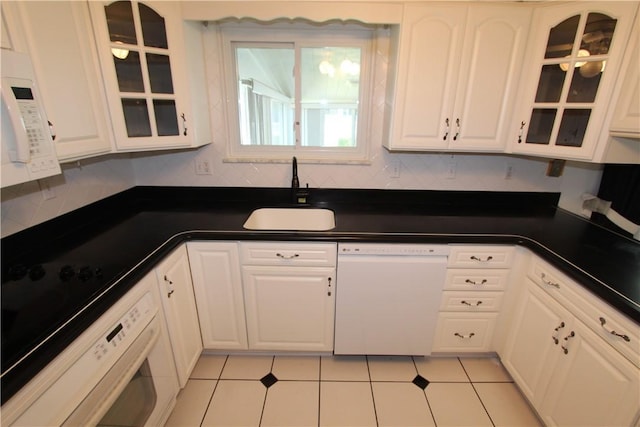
550 83
120 22
541 125
166 117
573 127
153 29
129 73
598 33
585 81
159 73
570 77
136 117
562 38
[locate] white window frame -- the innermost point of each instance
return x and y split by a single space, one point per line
299 35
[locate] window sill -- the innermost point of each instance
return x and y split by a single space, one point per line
300 160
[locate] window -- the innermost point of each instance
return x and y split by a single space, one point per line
301 90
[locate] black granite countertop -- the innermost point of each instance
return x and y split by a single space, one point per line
121 238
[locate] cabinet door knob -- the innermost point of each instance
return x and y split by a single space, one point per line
521 132
446 129
565 348
184 124
555 335
455 137
170 293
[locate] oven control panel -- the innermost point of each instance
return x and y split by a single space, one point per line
126 329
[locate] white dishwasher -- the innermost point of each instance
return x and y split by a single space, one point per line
387 297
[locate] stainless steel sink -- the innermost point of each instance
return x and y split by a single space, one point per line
300 219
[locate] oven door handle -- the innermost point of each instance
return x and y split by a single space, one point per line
91 410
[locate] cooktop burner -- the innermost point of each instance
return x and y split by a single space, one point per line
38 299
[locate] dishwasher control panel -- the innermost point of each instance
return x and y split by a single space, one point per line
403 249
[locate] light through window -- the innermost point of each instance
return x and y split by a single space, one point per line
298 92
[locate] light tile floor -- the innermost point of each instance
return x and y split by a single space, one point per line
350 391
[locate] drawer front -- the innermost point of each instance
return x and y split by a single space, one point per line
464 332
466 256
476 279
288 253
471 301
621 333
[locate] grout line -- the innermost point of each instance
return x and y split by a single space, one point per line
373 399
319 387
424 393
476 392
214 390
266 393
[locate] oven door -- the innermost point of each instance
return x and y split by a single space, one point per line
136 391
122 374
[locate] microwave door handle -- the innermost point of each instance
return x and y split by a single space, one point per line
21 152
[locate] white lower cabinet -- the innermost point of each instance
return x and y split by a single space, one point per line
271 296
477 276
289 308
569 374
178 303
217 284
289 294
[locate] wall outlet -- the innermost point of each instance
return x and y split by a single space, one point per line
451 169
508 171
394 169
203 167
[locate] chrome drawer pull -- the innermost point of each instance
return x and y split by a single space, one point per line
473 282
624 337
475 258
548 282
279 255
469 304
464 337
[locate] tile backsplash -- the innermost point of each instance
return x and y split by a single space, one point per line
28 204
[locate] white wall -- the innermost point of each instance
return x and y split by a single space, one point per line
81 183
24 205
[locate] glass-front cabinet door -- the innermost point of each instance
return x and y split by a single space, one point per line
573 62
140 49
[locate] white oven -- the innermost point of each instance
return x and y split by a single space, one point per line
119 372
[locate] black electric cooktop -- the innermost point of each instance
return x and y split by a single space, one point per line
38 299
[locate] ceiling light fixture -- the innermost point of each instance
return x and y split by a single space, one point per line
582 53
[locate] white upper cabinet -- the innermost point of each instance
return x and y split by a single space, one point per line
142 50
626 119
58 37
573 59
457 71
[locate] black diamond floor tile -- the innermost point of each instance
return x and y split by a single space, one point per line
420 382
268 380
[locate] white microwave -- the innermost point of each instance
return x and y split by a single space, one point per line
28 151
